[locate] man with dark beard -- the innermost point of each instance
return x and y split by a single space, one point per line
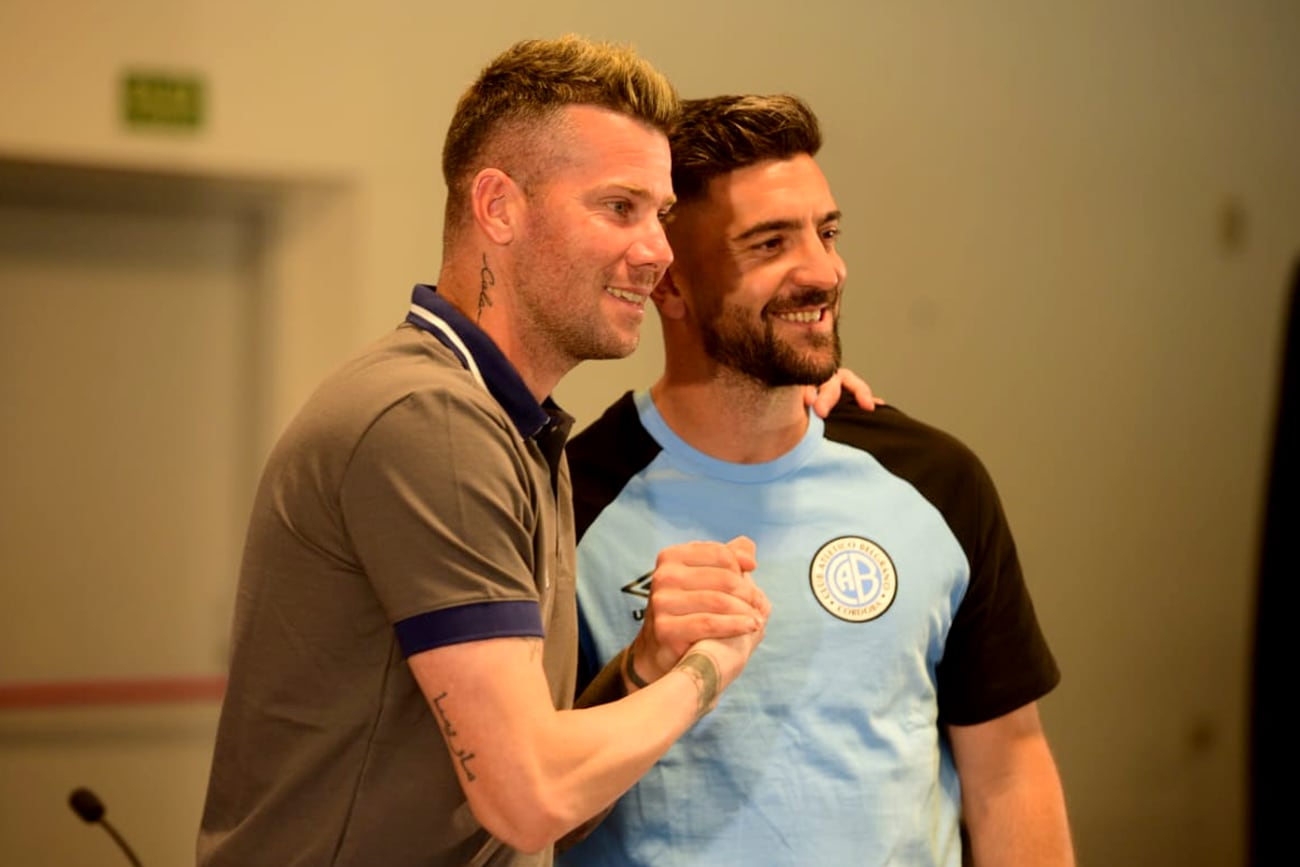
894 702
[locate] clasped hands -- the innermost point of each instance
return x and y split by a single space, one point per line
702 596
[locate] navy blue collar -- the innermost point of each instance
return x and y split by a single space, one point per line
484 360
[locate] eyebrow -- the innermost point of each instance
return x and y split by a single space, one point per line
644 194
783 225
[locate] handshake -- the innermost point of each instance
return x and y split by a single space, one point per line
705 617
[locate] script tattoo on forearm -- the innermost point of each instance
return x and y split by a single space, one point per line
486 281
704 671
449 731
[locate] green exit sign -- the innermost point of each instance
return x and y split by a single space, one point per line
151 99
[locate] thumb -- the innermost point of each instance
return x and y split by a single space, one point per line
746 552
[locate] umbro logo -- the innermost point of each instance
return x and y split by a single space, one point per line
639 586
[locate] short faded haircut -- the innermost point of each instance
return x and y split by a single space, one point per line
721 134
527 85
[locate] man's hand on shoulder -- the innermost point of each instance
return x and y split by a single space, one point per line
822 398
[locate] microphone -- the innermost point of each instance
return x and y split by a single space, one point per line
87 805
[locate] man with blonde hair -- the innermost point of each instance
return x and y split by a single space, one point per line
894 699
405 640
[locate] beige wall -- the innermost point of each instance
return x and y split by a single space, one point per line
1040 203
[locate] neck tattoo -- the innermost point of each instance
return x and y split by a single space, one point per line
486 281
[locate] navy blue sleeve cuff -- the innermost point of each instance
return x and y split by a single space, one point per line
519 618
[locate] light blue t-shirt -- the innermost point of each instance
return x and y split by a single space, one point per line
827 749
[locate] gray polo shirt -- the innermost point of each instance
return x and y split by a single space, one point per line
420 498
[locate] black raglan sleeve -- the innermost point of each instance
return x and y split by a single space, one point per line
995 658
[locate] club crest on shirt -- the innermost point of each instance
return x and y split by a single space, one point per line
853 579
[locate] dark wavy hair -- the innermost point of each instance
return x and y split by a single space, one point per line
720 134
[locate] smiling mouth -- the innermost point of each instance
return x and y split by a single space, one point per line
627 295
803 317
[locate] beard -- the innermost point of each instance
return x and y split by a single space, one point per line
733 340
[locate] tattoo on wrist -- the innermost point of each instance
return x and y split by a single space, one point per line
704 671
486 281
449 731
630 670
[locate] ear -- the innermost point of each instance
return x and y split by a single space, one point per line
668 297
495 200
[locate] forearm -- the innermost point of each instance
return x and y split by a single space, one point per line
598 753
532 773
607 686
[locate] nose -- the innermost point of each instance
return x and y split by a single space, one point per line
820 266
651 249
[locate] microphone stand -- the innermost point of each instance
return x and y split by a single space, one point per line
87 805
